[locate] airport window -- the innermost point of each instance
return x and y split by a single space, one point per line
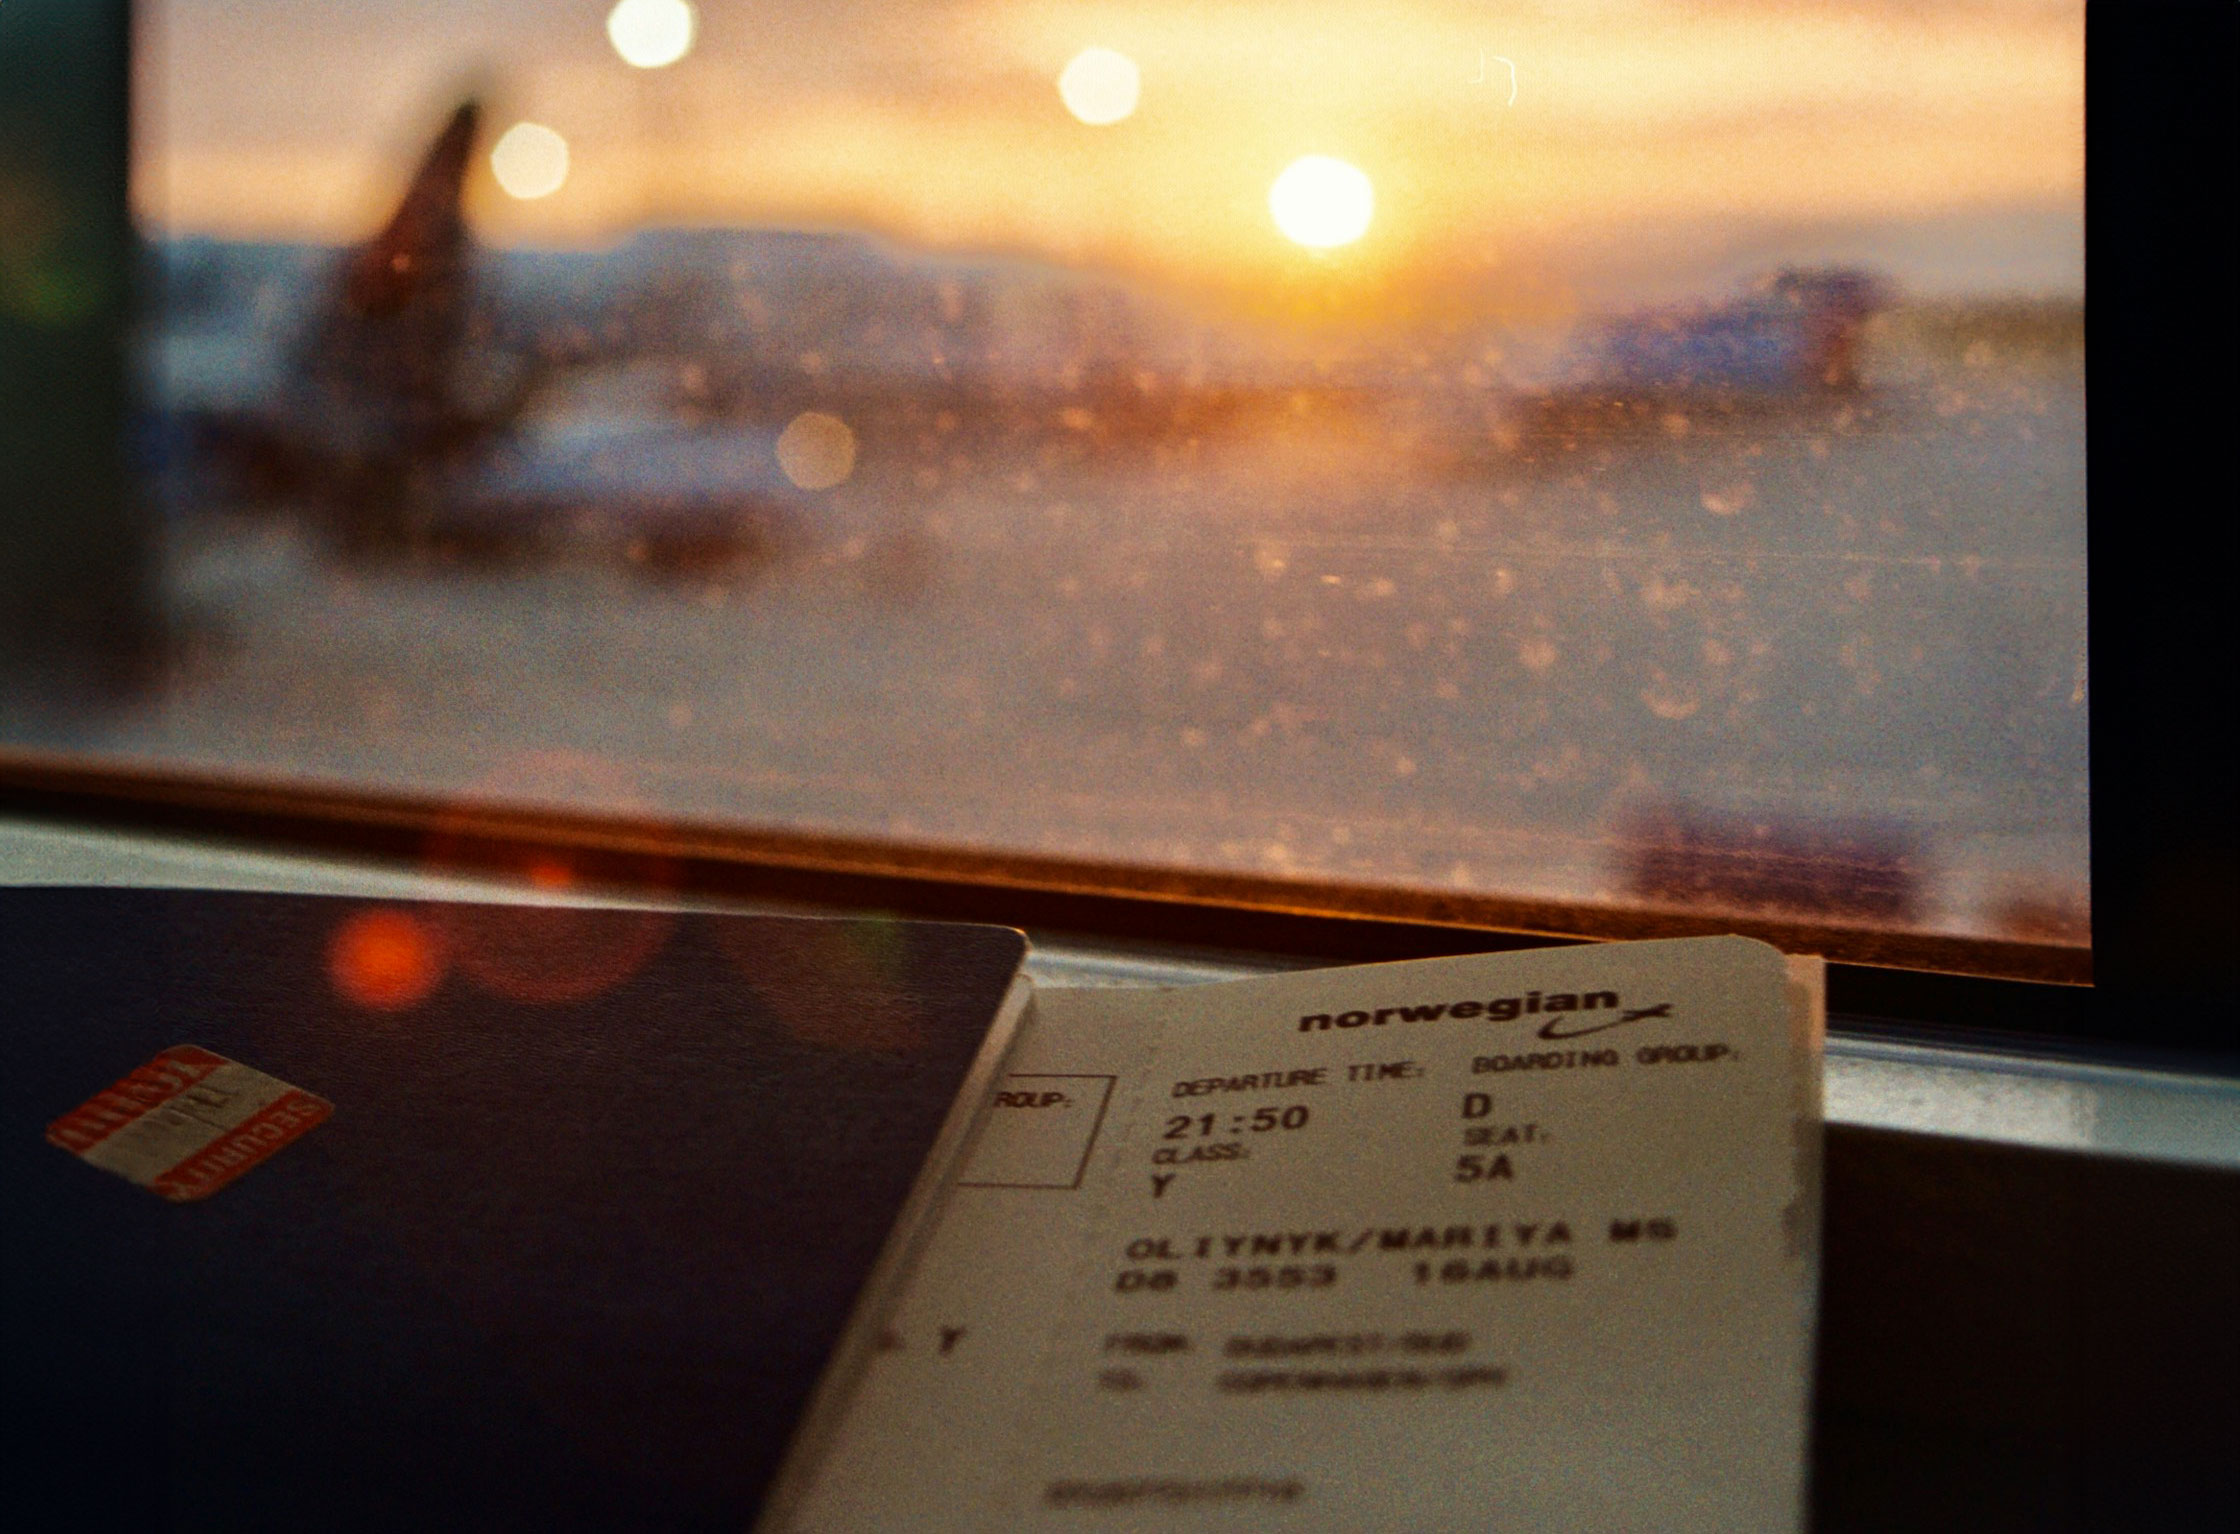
1624 458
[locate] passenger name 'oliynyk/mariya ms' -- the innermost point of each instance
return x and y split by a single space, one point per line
1564 1009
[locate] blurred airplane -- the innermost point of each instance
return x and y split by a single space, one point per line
363 411
1792 340
419 393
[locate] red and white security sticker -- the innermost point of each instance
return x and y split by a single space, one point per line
188 1122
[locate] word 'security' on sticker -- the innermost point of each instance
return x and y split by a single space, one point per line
187 1123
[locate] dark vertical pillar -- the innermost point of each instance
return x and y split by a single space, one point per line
77 611
2161 345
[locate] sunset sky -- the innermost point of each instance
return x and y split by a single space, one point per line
1648 143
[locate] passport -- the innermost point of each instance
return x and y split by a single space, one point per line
325 1211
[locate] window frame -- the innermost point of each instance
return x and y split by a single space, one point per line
1907 981
2166 927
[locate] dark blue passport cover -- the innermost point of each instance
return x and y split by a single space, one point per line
587 1220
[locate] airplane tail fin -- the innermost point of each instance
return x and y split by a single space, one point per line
372 405
424 245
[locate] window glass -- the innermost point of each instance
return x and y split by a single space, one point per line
1616 453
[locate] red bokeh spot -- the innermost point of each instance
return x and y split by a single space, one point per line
550 953
385 959
543 953
550 874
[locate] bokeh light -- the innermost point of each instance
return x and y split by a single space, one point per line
550 953
796 977
651 34
530 161
1321 202
817 451
550 873
1100 87
385 959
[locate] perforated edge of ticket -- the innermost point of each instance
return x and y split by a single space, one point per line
188 1122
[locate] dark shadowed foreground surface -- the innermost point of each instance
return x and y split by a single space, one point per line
599 1193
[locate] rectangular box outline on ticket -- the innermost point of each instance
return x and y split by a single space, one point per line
1088 1145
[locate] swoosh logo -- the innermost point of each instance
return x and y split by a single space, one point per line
1554 1028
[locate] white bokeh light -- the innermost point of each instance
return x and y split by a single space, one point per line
530 161
1321 202
817 451
1100 86
650 34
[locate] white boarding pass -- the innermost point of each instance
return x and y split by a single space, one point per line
1512 1241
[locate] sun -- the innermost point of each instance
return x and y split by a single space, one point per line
1321 202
